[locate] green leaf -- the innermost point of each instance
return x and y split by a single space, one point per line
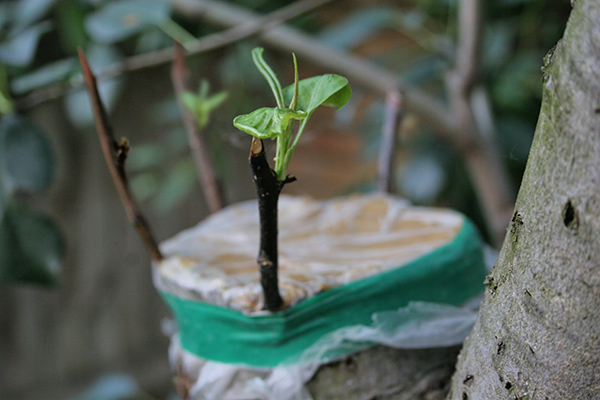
357 27
267 123
19 50
49 73
269 75
189 100
116 21
146 156
70 15
26 161
201 105
214 101
327 90
6 102
31 246
6 13
144 186
29 11
176 186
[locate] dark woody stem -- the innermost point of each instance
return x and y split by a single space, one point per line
268 188
115 154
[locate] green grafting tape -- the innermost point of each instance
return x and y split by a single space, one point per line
450 274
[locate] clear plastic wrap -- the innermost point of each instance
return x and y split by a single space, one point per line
322 244
354 272
418 325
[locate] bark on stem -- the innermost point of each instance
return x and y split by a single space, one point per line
268 188
115 154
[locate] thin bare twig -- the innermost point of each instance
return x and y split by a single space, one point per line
115 154
494 192
391 125
203 159
238 32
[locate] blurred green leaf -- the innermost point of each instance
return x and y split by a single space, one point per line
411 20
519 82
152 39
189 101
6 11
31 246
497 44
201 105
145 156
425 69
71 26
26 161
119 20
177 185
268 74
45 75
356 28
19 50
145 185
327 90
6 103
515 135
28 11
267 123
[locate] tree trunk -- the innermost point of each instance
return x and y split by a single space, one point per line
537 334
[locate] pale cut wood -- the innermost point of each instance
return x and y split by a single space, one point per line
323 244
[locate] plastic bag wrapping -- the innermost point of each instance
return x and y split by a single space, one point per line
342 261
418 325
349 238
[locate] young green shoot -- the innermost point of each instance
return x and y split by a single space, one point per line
296 102
202 104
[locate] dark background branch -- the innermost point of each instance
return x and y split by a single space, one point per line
391 124
205 166
115 154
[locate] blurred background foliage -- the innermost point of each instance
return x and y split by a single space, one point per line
416 39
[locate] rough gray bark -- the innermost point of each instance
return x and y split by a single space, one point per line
537 334
384 373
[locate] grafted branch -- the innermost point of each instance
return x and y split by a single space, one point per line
268 188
